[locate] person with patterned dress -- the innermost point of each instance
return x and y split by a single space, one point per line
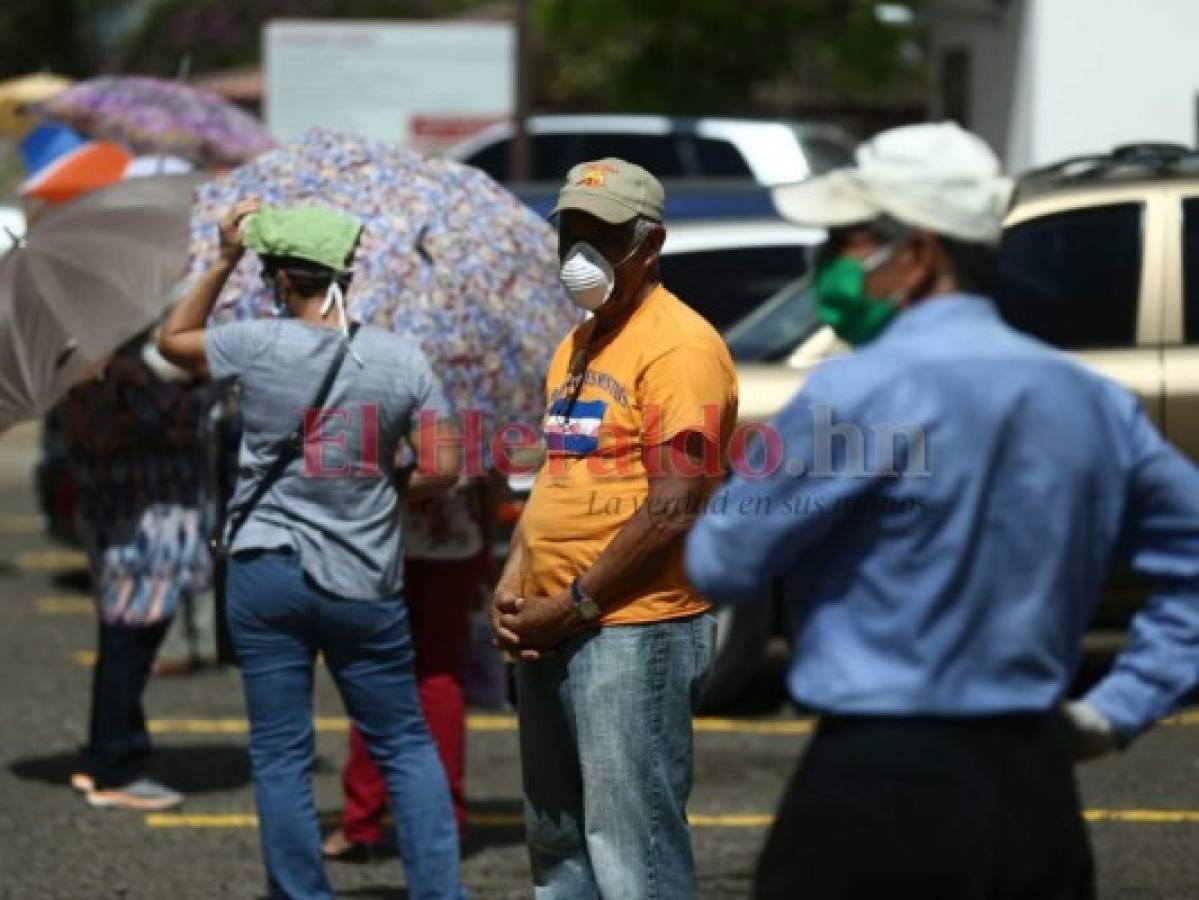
139 458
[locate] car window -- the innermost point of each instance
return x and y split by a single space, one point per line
726 284
659 153
553 155
718 158
1073 279
1190 268
773 331
824 154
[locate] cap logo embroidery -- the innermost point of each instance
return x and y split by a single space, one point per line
592 178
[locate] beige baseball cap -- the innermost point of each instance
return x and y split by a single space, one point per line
935 176
613 190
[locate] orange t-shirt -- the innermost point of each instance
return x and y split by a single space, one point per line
665 372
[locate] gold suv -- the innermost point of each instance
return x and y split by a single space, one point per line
1100 257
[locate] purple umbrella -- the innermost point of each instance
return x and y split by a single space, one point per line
150 116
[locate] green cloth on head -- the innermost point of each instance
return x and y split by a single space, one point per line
313 233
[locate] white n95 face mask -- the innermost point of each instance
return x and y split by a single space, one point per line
588 278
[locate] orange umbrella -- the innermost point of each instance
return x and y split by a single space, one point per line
86 168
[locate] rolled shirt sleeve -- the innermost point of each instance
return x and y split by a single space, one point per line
1160 664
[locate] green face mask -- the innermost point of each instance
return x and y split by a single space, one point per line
844 305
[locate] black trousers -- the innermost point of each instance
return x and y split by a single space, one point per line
931 809
118 742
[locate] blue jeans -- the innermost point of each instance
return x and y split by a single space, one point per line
279 620
606 752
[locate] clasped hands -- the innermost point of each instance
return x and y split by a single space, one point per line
531 627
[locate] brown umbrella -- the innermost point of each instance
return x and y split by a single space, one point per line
90 275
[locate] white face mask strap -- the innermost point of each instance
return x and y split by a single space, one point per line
335 296
879 257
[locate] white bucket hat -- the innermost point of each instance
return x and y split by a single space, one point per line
937 176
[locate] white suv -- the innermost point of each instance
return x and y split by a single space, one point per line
769 153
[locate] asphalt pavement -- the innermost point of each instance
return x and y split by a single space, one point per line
1143 805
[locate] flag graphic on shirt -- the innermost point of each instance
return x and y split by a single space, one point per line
577 434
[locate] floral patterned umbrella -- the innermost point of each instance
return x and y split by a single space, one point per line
446 256
150 115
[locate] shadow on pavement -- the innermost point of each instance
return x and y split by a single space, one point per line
763 695
78 581
194 769
494 823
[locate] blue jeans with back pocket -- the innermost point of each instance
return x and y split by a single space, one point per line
279 619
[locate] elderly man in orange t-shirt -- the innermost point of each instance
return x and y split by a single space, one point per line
613 642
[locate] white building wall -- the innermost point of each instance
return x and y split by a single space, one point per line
1114 72
1058 78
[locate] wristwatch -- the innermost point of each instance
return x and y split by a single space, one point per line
587 608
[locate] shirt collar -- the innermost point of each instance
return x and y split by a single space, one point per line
951 307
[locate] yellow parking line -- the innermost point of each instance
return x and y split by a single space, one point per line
324 724
699 820
747 726
192 820
491 722
50 560
1168 816
65 606
480 722
507 723
1186 718
249 820
744 820
496 820
17 524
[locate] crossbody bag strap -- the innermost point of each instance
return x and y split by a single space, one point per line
289 447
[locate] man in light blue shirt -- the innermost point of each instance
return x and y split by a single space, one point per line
944 509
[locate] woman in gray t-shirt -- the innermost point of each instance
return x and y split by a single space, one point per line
317 565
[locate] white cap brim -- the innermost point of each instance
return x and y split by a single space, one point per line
827 201
969 210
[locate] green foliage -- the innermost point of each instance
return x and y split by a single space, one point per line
709 56
51 35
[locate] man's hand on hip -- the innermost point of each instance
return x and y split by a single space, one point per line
1088 731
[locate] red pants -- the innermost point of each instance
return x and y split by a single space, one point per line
439 596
